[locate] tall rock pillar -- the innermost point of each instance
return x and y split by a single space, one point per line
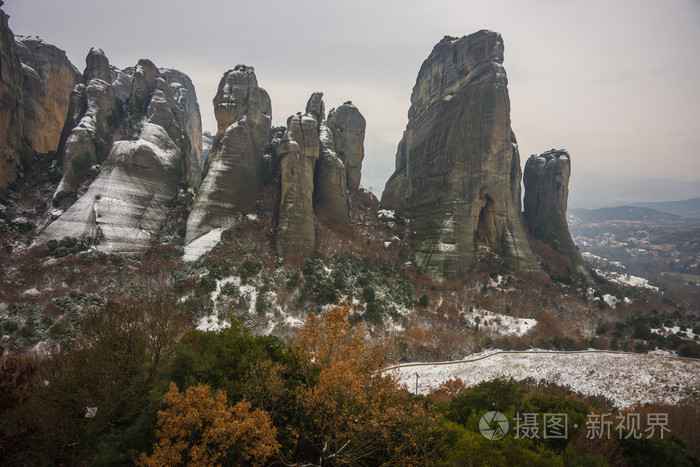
232 175
546 180
457 174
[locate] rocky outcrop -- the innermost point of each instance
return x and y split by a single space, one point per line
314 180
457 172
49 78
298 153
348 127
546 180
233 172
126 204
11 105
331 200
93 113
186 98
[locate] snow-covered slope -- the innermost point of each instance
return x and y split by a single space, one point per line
624 378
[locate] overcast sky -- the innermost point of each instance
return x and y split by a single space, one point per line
615 82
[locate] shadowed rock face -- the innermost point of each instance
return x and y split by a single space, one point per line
348 127
11 105
126 204
457 167
298 152
546 180
232 176
49 78
331 199
314 180
186 98
89 125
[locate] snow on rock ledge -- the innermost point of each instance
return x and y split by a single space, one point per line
130 199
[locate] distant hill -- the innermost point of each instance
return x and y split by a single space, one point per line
592 191
624 213
685 208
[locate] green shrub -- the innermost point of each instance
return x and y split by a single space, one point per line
249 268
229 289
373 314
691 349
81 162
369 294
424 300
260 304
97 141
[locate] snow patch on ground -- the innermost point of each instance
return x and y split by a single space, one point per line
610 300
624 378
626 279
499 324
666 330
212 323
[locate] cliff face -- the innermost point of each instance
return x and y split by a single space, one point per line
233 175
546 180
457 167
298 152
314 178
147 155
89 129
49 78
186 98
348 127
11 105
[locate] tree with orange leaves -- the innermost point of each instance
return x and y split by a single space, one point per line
349 412
198 429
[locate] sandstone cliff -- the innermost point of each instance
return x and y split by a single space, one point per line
330 192
126 204
186 98
232 175
457 172
49 78
298 153
348 127
314 177
93 114
11 105
546 180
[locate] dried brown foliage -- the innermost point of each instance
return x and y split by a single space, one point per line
356 415
199 429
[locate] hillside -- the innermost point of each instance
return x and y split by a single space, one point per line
645 379
686 208
624 213
170 296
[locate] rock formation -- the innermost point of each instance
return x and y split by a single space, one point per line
186 98
298 153
11 105
232 176
125 206
49 78
330 194
457 174
546 180
348 127
314 179
93 113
